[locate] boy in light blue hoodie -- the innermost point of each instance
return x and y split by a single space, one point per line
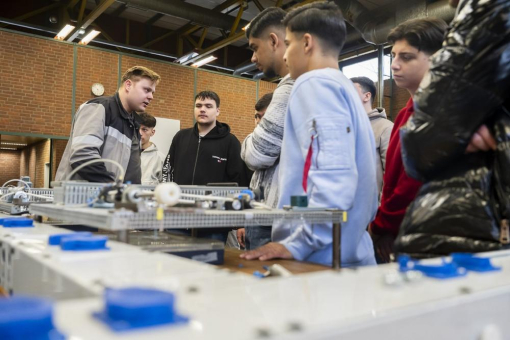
328 150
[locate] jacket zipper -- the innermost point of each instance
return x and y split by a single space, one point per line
196 160
315 137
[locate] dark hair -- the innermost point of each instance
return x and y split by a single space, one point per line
322 19
426 34
367 85
264 102
270 17
208 95
147 120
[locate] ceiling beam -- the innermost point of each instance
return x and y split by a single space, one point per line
259 5
90 18
82 10
190 28
107 36
236 21
191 40
202 38
72 3
155 18
233 38
36 12
119 10
217 46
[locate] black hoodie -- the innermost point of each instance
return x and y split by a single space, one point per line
214 158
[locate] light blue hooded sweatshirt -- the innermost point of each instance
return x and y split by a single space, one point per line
325 104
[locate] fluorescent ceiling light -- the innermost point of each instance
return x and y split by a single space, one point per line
246 27
91 35
186 57
2 148
204 61
64 32
11 143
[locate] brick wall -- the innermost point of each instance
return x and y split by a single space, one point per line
38 98
266 87
59 145
400 98
237 99
95 66
27 163
10 165
42 152
32 162
36 85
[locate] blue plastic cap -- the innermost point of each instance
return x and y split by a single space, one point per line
443 271
446 270
133 308
23 317
473 263
21 222
258 274
54 240
403 263
84 243
248 192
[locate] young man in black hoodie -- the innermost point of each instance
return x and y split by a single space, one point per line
205 153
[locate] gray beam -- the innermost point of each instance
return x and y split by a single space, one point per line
196 14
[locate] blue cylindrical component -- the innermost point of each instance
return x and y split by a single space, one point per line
83 243
56 239
20 222
247 192
23 317
132 308
139 305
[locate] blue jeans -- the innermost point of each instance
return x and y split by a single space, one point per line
255 237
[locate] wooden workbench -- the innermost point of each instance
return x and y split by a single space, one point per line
235 263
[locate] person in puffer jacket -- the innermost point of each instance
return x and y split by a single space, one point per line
463 205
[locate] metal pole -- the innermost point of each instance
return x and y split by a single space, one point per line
380 59
123 236
337 238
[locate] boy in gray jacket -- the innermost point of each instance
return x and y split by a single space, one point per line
380 124
152 162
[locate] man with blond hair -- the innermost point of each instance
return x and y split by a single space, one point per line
108 128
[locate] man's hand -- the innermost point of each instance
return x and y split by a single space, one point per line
241 233
383 245
272 250
482 140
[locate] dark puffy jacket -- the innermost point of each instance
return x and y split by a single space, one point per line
464 204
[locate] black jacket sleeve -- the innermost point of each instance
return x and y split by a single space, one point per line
168 164
468 80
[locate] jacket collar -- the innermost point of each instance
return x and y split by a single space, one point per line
124 114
